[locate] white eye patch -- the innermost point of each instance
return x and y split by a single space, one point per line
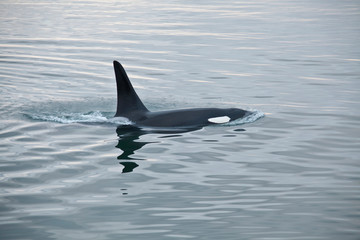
222 119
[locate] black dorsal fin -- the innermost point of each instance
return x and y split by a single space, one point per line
127 99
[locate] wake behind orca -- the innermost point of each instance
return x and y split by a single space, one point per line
130 106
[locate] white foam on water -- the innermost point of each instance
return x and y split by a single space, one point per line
120 120
255 115
91 117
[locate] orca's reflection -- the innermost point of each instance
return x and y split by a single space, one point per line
128 142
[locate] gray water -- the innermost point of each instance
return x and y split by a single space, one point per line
291 172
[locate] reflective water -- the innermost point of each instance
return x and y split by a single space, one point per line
67 172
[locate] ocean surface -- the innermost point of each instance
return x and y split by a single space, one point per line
68 170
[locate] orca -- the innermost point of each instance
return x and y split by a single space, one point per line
131 107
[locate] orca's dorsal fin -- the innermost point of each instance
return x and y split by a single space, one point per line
127 99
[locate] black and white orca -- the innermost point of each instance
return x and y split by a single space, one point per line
131 107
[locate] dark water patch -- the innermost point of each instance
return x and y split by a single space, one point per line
18 166
49 221
229 135
42 149
171 136
239 130
34 199
26 139
210 140
26 180
5 147
9 134
9 185
11 231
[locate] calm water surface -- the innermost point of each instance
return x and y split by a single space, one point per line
68 172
